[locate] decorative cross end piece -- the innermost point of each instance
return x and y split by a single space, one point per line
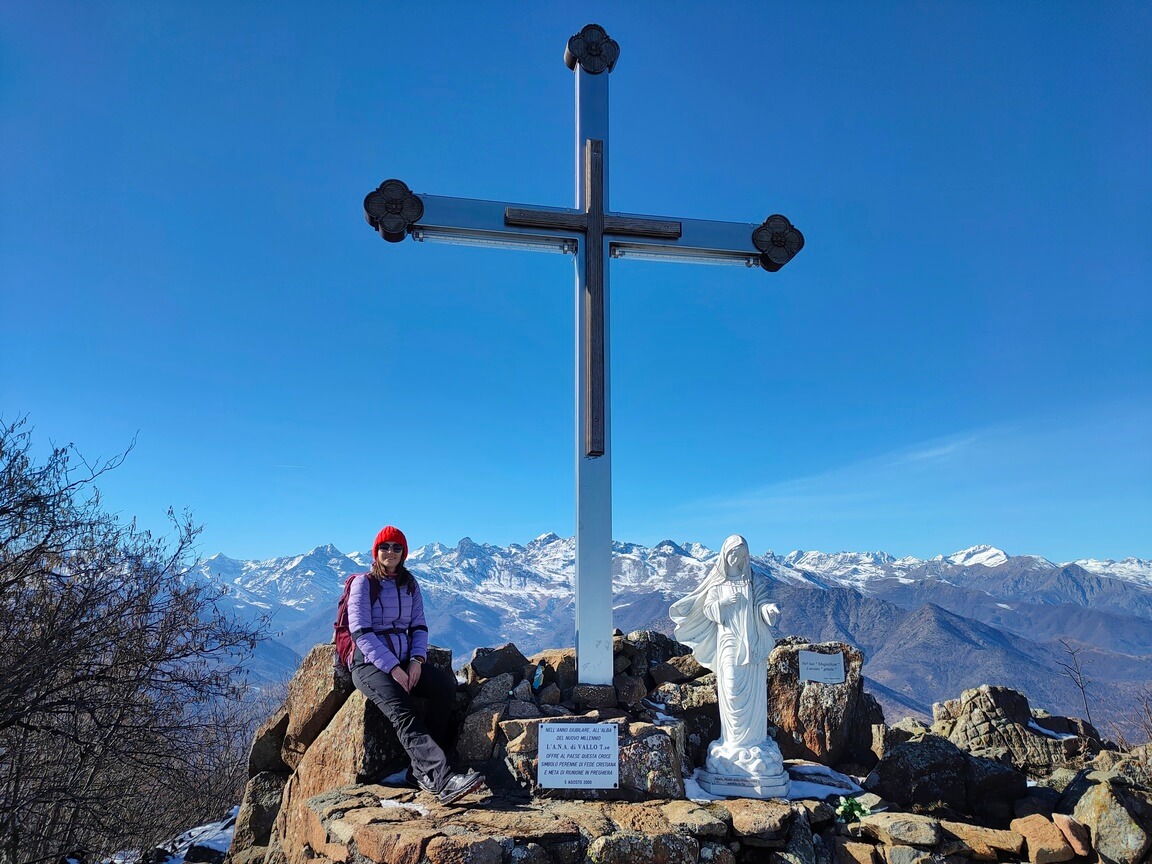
778 241
593 50
392 209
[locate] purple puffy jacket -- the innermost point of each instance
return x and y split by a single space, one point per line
390 631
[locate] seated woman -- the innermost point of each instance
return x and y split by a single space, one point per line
388 666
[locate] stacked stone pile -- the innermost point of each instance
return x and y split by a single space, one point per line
989 780
507 696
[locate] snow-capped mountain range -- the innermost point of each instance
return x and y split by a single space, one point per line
547 563
927 626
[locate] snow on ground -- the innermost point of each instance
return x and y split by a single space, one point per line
693 791
836 785
216 836
387 803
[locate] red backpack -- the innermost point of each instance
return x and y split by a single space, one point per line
343 637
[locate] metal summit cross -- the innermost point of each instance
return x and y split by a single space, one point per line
593 234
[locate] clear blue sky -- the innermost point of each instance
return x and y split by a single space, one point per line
961 354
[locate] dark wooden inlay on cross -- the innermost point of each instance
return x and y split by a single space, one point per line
593 223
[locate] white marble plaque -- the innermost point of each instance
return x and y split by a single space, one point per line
822 668
578 756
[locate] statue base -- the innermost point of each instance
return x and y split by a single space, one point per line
744 785
742 771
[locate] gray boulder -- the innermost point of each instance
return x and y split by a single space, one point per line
1117 815
695 703
261 803
653 648
995 722
315 693
993 789
490 662
929 771
828 723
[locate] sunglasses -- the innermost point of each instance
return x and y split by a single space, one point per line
391 547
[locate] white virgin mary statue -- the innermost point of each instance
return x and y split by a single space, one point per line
727 622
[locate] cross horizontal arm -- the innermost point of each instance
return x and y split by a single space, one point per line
473 220
701 241
395 211
488 223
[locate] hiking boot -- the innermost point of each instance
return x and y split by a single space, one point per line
417 780
459 785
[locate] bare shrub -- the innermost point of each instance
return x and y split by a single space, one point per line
113 668
1134 737
1073 667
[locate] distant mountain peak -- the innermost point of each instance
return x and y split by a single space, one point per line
698 550
325 549
820 559
988 556
469 548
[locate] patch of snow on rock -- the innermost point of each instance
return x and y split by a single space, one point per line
1048 733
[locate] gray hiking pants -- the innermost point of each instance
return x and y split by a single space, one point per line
424 741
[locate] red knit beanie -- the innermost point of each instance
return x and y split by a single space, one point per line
390 534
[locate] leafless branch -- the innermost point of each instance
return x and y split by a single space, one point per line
114 669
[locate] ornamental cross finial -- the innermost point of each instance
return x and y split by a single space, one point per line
593 50
392 209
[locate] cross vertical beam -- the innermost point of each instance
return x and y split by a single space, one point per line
593 566
595 235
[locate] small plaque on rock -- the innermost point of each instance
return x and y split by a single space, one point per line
822 668
578 756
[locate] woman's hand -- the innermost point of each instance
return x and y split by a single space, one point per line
415 667
401 678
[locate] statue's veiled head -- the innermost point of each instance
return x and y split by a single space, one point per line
734 559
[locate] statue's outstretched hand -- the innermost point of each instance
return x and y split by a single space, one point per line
770 612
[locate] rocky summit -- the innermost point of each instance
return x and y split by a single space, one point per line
991 779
